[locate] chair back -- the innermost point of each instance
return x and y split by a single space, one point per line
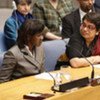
53 49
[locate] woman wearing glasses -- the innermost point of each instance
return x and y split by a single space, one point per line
87 45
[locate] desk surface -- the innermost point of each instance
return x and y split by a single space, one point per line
14 90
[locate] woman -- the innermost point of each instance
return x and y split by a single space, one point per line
19 15
87 45
27 56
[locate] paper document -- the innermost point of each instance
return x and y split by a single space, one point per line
97 65
51 76
46 75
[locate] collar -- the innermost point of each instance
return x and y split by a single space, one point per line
82 13
27 48
26 51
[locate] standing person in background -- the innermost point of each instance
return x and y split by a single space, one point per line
71 23
50 13
12 24
27 56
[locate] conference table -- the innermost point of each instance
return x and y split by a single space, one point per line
16 89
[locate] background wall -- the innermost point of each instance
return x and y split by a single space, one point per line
7 3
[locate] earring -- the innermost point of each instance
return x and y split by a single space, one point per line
97 33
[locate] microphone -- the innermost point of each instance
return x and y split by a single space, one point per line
93 81
75 83
57 81
92 73
58 87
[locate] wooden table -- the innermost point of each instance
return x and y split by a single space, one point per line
14 90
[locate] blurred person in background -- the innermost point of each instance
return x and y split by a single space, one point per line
50 13
97 5
26 57
12 24
19 15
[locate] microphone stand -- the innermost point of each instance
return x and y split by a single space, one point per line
57 82
92 73
53 81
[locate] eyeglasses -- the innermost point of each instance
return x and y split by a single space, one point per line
89 27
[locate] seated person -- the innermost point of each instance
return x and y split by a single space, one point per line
12 24
87 45
26 57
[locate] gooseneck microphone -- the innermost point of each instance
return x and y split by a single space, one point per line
94 81
54 81
92 73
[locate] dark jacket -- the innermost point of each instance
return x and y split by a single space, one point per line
71 24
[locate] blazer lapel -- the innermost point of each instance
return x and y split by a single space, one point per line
30 58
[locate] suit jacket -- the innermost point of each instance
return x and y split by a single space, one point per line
97 5
71 23
19 63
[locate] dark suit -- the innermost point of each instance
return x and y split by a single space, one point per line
97 5
71 23
19 63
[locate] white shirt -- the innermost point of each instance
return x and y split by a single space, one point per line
82 13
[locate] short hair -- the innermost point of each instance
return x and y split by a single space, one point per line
19 1
94 18
29 28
